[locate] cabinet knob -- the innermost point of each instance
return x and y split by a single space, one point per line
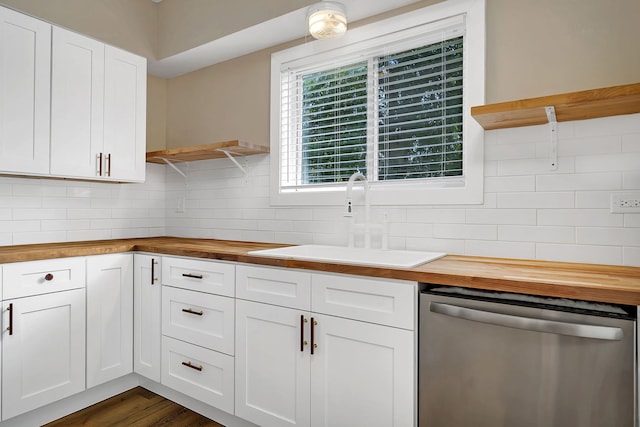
48 277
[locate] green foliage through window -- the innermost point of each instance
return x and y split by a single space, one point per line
407 124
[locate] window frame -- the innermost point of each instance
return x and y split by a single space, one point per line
467 189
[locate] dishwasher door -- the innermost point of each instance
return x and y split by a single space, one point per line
475 373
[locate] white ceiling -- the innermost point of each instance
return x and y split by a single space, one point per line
269 33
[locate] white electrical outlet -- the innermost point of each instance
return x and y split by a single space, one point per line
181 206
628 202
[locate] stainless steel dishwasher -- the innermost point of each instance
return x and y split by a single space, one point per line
490 359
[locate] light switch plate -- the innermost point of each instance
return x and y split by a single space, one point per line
627 202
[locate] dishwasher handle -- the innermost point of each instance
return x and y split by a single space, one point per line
527 323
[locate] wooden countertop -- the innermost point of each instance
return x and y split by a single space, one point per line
605 283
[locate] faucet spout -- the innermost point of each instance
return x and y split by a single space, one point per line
367 206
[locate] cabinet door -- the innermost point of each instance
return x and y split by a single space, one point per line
77 98
362 375
147 319
109 317
272 373
25 45
125 115
44 352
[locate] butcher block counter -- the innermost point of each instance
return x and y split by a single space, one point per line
604 283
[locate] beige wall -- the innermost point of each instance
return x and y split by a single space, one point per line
534 48
156 113
127 24
189 23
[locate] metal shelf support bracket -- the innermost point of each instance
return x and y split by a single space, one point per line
170 163
553 135
233 159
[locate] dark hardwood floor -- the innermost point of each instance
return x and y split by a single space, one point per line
137 407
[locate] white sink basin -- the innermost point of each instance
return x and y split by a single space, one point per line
357 256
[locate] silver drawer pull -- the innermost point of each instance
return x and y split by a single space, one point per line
192 276
190 311
192 366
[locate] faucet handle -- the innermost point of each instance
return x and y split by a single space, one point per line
348 208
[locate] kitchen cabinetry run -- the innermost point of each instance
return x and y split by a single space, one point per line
317 368
198 313
43 343
109 317
147 315
25 52
98 98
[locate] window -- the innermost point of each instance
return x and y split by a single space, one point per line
390 100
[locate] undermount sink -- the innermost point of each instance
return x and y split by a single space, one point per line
347 255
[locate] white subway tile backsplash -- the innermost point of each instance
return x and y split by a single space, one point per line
631 180
436 215
603 144
608 236
529 210
465 231
539 200
631 142
525 250
501 216
579 182
631 256
580 217
531 233
535 166
502 184
593 199
632 220
31 237
448 246
579 253
608 162
615 125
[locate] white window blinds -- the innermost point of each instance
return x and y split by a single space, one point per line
392 112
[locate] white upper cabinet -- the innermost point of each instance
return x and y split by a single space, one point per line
77 99
125 114
25 52
70 106
98 110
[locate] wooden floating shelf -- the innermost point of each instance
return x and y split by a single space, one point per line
206 151
588 104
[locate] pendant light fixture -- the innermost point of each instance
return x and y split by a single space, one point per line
327 19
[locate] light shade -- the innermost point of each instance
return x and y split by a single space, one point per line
327 19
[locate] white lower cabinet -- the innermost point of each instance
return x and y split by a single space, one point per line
361 374
198 372
43 350
109 317
304 368
147 318
198 330
272 365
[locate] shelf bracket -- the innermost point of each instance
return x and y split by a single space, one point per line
170 163
553 144
233 159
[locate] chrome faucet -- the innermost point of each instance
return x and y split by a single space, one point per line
367 209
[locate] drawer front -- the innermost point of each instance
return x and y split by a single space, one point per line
204 276
203 374
287 288
202 319
28 278
386 302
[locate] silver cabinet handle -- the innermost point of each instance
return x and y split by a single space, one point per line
528 323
